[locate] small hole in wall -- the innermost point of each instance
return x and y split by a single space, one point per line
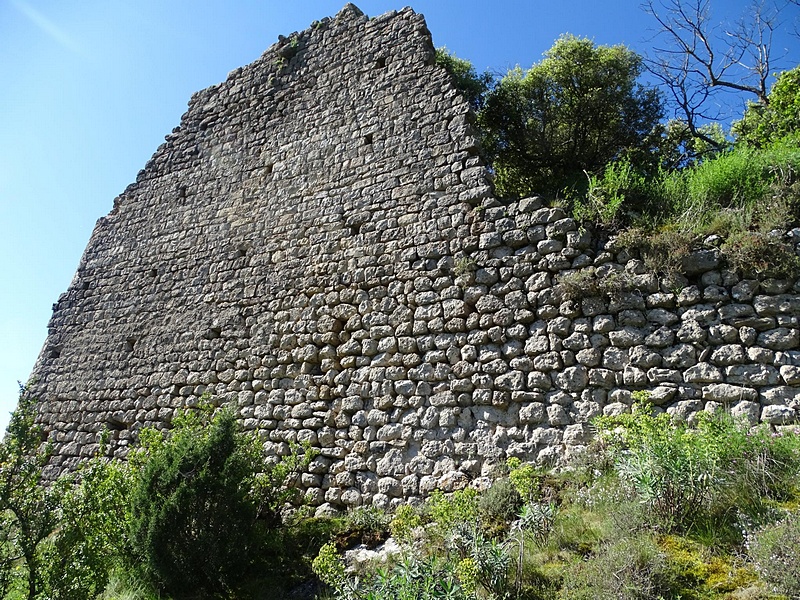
242 250
182 192
214 333
268 169
115 424
355 229
368 139
380 63
85 285
129 344
153 273
55 353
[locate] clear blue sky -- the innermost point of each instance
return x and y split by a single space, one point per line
89 89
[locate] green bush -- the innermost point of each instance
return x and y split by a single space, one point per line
570 114
466 78
701 478
194 506
91 540
612 197
762 124
449 511
761 255
775 551
740 180
29 510
633 568
500 503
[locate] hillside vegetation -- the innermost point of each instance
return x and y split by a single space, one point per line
654 509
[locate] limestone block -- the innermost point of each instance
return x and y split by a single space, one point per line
724 392
778 414
681 356
752 375
573 379
781 338
702 373
626 337
683 410
557 416
661 395
790 374
781 394
615 409
729 354
604 378
768 306
700 261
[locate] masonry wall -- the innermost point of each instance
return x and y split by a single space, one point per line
317 245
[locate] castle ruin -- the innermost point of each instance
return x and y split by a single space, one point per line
317 245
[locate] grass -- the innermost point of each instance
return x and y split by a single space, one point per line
742 195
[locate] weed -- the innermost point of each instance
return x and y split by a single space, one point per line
775 552
463 266
761 255
586 284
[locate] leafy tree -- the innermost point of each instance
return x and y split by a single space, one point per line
679 148
474 86
91 540
28 509
194 514
568 115
763 124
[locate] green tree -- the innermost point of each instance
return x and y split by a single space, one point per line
567 116
474 86
763 124
194 514
28 509
91 540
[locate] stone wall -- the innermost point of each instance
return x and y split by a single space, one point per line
317 245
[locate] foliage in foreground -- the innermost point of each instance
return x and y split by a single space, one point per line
194 513
195 504
659 509
28 510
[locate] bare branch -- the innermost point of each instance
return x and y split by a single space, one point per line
694 57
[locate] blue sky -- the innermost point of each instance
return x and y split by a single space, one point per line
89 89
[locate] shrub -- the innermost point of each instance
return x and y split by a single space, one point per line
406 520
524 478
740 180
449 511
775 551
500 503
585 283
663 251
761 255
412 578
465 77
631 568
367 524
611 198
700 478
91 540
195 505
29 511
763 124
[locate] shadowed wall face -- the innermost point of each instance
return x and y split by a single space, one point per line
306 247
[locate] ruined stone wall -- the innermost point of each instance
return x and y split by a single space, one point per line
316 245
